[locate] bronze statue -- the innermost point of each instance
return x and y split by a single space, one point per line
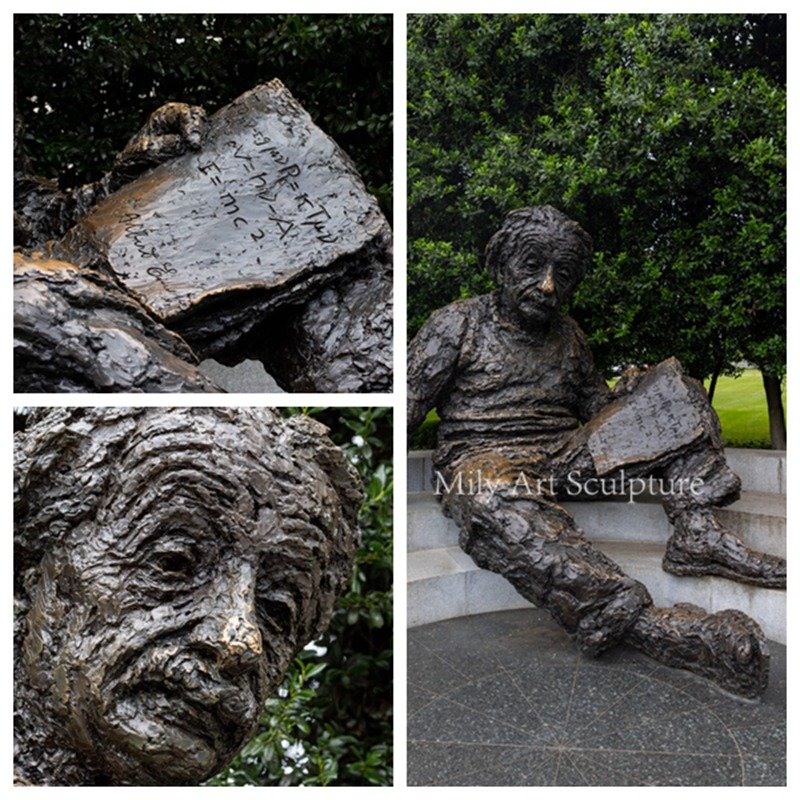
169 565
43 212
248 234
77 330
525 418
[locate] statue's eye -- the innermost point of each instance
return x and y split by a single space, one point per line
179 564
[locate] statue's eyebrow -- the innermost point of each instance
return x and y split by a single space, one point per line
143 542
193 527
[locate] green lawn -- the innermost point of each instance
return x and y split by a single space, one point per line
742 408
740 403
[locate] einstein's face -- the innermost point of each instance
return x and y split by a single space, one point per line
183 603
537 280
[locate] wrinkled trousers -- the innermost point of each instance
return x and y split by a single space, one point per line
515 526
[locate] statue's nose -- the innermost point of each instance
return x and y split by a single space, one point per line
548 284
230 631
239 646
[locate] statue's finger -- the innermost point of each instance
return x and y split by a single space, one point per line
193 124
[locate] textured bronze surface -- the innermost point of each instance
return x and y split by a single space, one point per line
525 415
169 564
249 234
76 330
42 212
268 202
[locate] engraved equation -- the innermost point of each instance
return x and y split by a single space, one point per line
267 198
656 421
285 206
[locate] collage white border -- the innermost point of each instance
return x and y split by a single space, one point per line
399 9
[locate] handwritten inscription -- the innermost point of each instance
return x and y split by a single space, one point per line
268 199
141 239
657 420
283 205
297 209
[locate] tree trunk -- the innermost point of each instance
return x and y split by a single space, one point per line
712 386
777 420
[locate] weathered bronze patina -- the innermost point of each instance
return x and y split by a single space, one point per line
524 414
255 237
169 564
76 329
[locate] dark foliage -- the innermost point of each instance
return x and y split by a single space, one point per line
663 135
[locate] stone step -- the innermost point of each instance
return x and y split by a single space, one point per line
759 519
760 470
419 471
428 527
643 562
444 583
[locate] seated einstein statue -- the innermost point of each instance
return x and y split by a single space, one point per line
168 566
524 414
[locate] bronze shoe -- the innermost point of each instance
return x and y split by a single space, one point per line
700 546
727 647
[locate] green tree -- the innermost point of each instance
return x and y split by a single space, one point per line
331 721
664 135
85 83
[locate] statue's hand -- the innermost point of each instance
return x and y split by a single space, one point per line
43 212
629 380
170 131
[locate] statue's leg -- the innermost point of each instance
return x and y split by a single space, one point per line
700 480
664 427
534 543
727 647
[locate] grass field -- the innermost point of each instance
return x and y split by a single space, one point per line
742 408
740 403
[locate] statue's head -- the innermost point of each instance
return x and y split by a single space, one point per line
537 258
169 565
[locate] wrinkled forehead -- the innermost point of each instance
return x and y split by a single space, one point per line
228 455
210 476
537 244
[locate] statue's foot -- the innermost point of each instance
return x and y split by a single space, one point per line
727 647
700 545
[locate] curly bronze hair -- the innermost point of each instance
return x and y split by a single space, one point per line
131 525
